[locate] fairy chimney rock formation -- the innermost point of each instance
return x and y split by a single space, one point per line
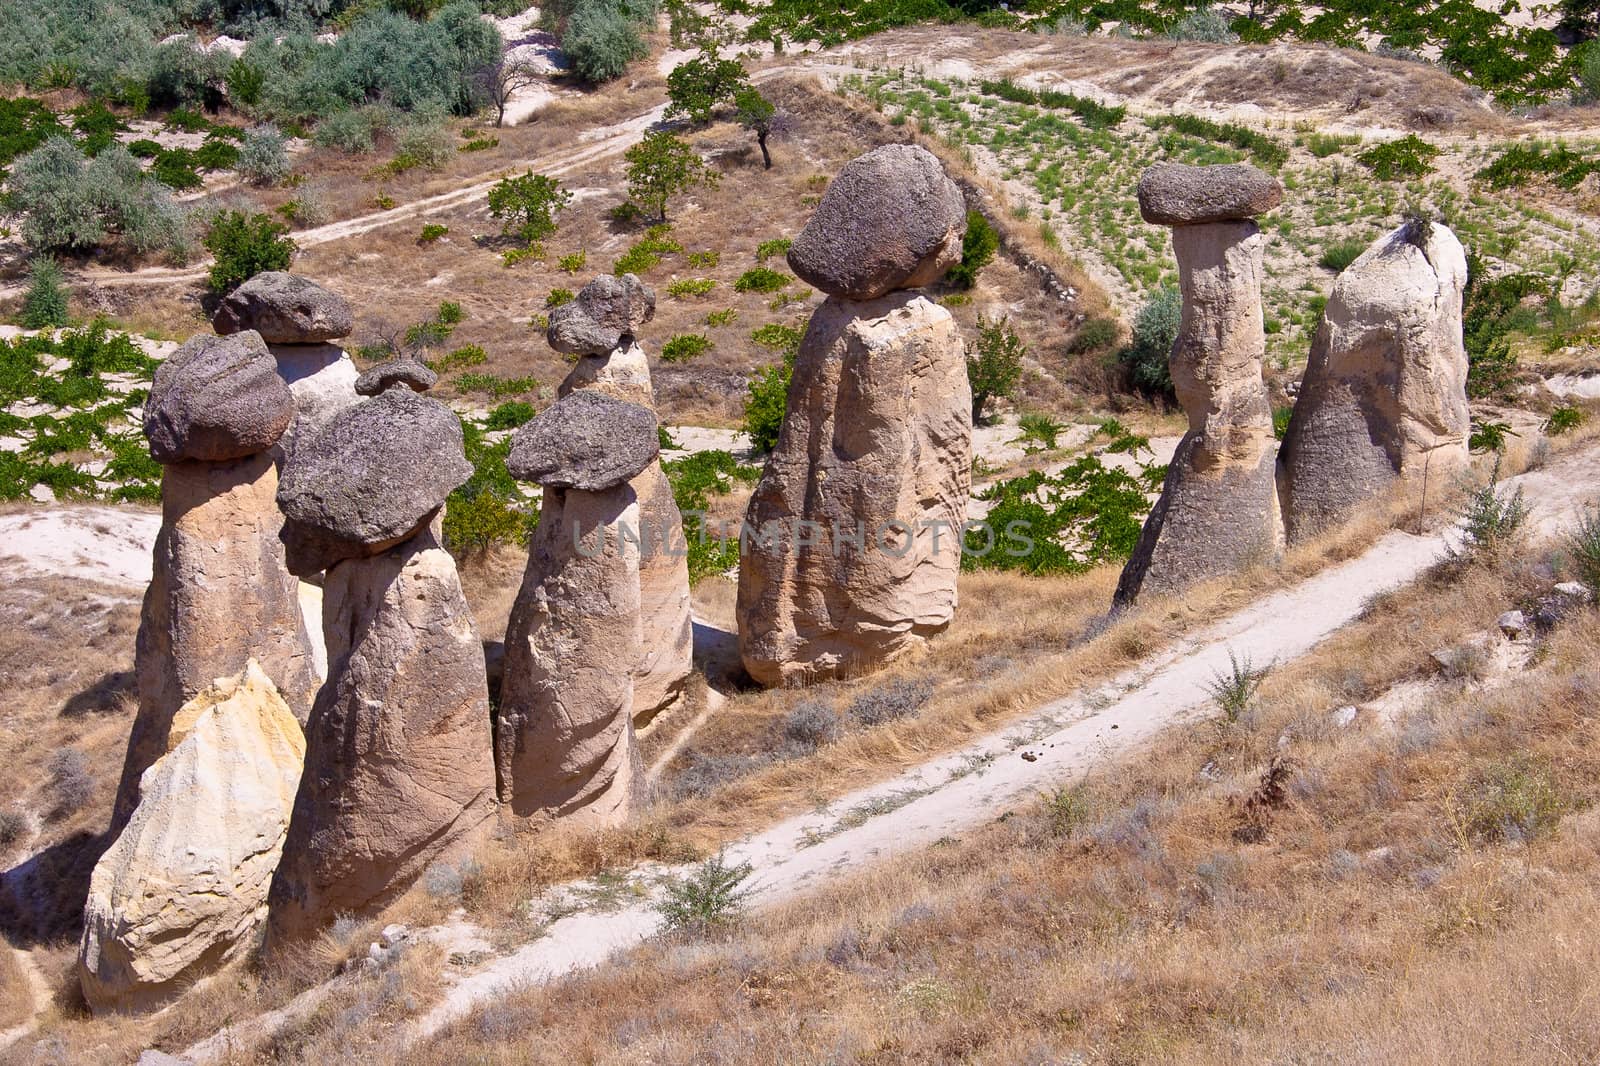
564 734
666 653
399 764
298 319
854 539
1218 511
220 593
1384 395
604 315
891 219
182 890
396 373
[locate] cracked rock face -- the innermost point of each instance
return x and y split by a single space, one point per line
586 440
1176 194
285 309
216 399
1218 510
891 219
607 310
369 479
1384 395
183 889
877 437
399 770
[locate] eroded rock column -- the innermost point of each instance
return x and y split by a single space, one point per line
399 765
564 733
220 594
599 327
855 526
1218 511
1384 396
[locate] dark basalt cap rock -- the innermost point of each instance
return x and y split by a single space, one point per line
215 399
285 309
892 219
608 309
369 479
587 441
1175 194
393 374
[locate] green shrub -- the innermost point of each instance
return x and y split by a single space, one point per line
558 297
450 313
1515 800
724 317
713 896
761 279
1235 690
264 157
509 415
244 246
1280 420
777 246
45 305
176 168
994 369
1492 523
1093 114
527 206
1040 430
1323 145
684 346
1408 157
1155 329
1563 420
1094 335
690 287
216 154
1031 520
765 404
464 356
70 202
487 510
349 131
600 40
574 262
1340 254
1581 548
704 260
431 232
779 337
978 248
1266 151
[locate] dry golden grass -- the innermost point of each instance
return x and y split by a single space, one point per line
16 995
1129 921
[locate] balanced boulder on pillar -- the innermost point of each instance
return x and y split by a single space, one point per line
1218 511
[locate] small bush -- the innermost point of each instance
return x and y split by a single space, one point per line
1202 24
1039 429
13 827
1563 420
684 346
558 297
432 232
1408 157
704 260
45 305
811 724
1235 690
1492 526
1517 801
509 415
346 131
761 279
574 262
450 313
527 206
1094 335
264 157
71 782
724 317
978 248
765 404
244 246
711 897
685 287
1490 437
779 337
1155 328
777 246
466 355
890 701
1066 810
1340 254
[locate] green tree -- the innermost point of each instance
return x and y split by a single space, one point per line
660 167
1155 329
45 305
696 87
527 206
995 369
244 246
758 115
978 248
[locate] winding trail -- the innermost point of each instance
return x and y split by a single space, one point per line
1056 744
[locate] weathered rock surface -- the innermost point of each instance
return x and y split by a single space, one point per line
878 431
666 652
399 766
183 888
285 309
1176 194
587 440
564 733
215 399
219 596
891 219
606 311
396 372
1384 395
323 380
1218 512
369 479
